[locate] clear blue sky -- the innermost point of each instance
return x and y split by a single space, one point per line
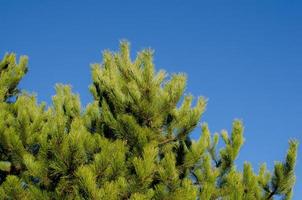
244 56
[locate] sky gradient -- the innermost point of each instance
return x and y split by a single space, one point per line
244 56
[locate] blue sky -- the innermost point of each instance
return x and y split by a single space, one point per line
244 56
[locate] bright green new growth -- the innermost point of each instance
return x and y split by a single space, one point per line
131 142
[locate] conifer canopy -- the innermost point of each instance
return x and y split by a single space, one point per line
131 142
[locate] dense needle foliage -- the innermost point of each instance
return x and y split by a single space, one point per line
131 142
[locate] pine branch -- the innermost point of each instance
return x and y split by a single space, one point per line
272 193
168 141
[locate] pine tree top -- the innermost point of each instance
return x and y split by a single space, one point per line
131 142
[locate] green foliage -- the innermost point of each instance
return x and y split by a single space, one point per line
10 75
132 142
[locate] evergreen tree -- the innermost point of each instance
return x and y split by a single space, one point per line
132 142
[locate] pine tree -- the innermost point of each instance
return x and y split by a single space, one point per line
132 142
